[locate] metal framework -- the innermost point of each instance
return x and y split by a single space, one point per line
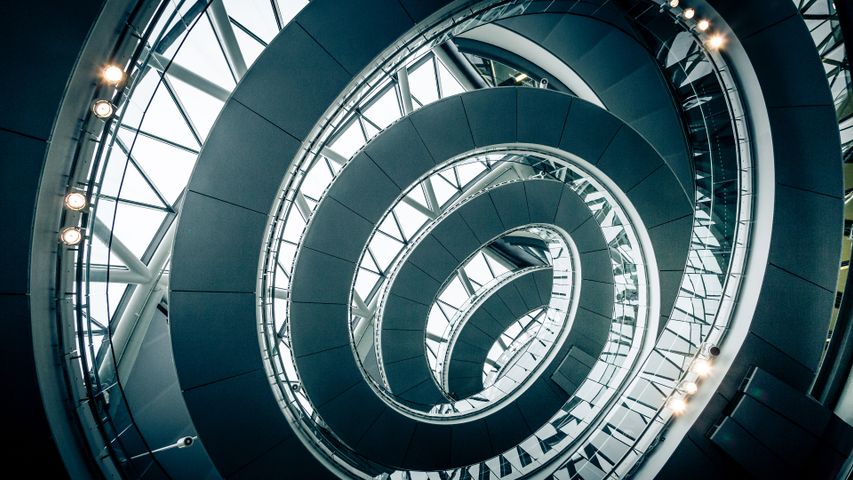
193 55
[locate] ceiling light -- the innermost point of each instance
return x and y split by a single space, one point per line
71 235
703 25
673 3
520 77
103 109
716 41
689 13
75 201
185 442
701 367
677 405
689 387
112 75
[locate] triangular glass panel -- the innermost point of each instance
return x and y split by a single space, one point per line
369 264
126 182
293 226
202 107
349 141
454 293
450 176
389 227
316 180
132 225
444 191
417 194
249 46
201 53
449 84
478 270
410 219
385 109
496 267
365 280
381 258
333 166
104 298
446 309
131 112
469 171
101 255
256 15
369 128
163 119
422 82
167 167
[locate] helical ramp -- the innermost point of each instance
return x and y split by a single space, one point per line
511 280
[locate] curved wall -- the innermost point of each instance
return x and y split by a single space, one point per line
33 95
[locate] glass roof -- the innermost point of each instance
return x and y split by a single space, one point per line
176 92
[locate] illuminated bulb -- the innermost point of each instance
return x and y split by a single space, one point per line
75 201
701 367
71 235
703 25
689 387
689 13
103 109
716 42
520 77
677 405
673 3
112 74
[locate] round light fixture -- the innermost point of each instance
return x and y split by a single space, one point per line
701 367
112 75
673 3
103 109
689 13
716 41
71 236
75 201
677 405
703 25
689 387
